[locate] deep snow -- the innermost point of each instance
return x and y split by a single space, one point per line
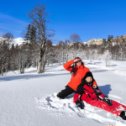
30 99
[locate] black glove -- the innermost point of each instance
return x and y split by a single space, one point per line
107 100
102 97
73 68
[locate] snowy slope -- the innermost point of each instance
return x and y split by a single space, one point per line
30 99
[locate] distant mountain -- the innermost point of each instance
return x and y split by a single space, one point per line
94 42
18 41
1 38
15 41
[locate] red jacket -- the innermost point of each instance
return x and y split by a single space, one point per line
76 77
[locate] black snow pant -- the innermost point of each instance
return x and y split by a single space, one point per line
64 93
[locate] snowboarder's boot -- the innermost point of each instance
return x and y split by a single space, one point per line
80 104
123 115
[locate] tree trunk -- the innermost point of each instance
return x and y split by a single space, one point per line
21 68
41 62
41 66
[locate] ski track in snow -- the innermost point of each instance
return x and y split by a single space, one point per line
66 106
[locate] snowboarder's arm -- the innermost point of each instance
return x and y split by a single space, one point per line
68 65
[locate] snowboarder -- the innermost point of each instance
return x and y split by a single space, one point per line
89 92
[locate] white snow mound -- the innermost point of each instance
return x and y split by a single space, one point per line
67 107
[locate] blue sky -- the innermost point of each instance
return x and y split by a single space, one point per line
88 18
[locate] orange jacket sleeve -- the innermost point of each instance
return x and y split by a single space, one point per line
68 64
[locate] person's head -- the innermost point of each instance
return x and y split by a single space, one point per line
78 61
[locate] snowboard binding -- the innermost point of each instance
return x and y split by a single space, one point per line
123 115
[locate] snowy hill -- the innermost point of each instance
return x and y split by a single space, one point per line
16 41
30 99
95 42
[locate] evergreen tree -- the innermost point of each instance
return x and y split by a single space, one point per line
31 34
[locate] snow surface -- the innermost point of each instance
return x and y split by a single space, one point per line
30 99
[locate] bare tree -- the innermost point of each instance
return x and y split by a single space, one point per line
38 17
75 38
4 56
8 37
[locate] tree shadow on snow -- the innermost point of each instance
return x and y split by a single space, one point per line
97 71
29 76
